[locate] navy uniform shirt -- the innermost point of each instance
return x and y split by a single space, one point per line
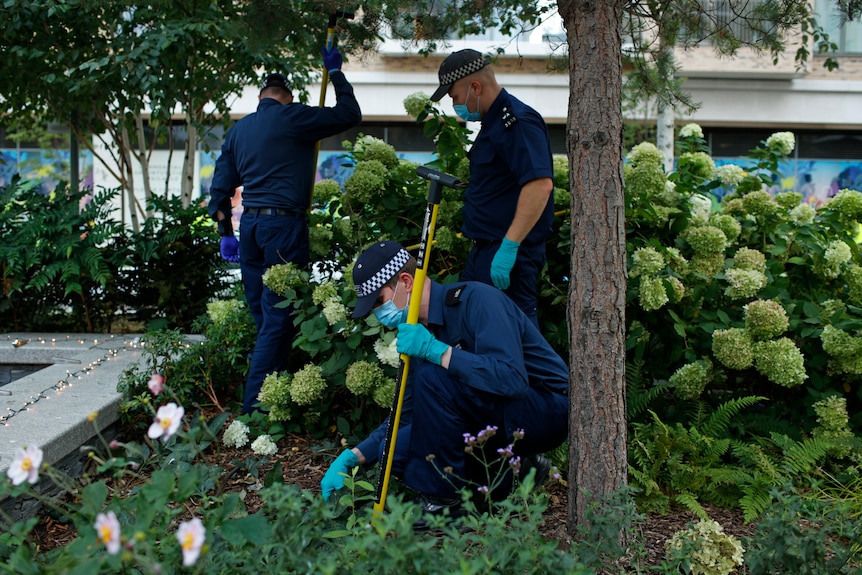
271 151
495 348
512 148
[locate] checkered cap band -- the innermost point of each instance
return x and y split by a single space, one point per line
463 71
379 279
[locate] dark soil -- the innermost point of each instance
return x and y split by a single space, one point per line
304 467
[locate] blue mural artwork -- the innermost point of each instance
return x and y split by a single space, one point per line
50 167
816 180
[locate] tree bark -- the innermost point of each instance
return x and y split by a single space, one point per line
664 134
596 304
189 163
665 116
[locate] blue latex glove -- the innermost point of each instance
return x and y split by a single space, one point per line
416 341
229 248
504 260
333 479
331 59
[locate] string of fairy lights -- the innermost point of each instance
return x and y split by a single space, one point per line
115 346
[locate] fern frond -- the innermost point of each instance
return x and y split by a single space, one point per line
559 456
756 500
753 456
638 396
691 503
802 457
718 422
736 476
715 448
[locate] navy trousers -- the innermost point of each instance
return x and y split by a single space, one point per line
264 241
445 409
523 280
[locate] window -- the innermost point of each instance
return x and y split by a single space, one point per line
847 36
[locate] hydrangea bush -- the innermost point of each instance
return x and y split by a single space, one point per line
737 293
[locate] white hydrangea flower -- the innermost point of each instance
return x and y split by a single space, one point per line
264 445
743 283
236 434
387 354
645 153
780 361
838 253
730 174
718 553
701 208
781 142
803 214
691 131
334 311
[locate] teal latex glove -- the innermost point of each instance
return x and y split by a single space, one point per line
333 479
503 262
416 341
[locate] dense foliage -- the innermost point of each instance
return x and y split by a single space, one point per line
743 312
67 264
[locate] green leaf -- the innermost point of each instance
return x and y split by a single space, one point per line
275 475
254 529
93 498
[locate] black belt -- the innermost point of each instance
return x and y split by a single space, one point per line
273 212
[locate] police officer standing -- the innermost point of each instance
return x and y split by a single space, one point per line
270 153
508 205
476 361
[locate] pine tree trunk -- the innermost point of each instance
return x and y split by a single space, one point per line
596 305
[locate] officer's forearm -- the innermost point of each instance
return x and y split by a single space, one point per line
444 359
359 456
531 204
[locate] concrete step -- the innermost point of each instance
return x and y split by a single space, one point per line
49 407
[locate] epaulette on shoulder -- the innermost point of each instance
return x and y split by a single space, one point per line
453 296
507 117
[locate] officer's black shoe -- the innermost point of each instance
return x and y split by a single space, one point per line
540 463
432 506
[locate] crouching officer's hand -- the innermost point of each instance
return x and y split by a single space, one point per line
416 341
503 262
229 248
333 479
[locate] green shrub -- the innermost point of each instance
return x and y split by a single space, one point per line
804 536
768 309
72 266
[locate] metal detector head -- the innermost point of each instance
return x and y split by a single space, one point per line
438 180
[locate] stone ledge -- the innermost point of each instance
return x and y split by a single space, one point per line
50 407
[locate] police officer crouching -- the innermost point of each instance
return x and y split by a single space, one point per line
477 361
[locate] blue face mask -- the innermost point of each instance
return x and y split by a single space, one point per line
388 314
464 113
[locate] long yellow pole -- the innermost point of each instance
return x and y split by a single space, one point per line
324 83
435 193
